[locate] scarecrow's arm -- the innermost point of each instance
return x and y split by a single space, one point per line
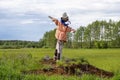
73 30
54 20
69 29
50 17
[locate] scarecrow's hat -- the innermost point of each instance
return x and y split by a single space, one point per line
64 15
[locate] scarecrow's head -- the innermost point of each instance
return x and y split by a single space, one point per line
64 17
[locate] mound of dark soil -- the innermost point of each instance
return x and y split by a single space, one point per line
73 69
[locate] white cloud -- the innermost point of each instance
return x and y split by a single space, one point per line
35 12
32 21
27 22
55 8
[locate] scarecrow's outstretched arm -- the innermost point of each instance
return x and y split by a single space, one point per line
50 17
73 30
54 20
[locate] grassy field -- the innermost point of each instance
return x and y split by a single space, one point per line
13 61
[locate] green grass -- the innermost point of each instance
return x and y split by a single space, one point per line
13 61
107 59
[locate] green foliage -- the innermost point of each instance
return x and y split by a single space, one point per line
117 77
17 44
98 34
60 63
49 39
11 65
13 61
35 77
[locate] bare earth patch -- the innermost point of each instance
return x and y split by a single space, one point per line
73 69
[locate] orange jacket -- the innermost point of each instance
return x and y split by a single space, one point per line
61 31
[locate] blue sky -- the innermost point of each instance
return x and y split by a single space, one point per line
28 19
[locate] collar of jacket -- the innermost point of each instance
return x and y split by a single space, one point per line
63 22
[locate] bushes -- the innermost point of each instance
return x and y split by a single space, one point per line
11 66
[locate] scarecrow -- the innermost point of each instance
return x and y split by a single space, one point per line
61 33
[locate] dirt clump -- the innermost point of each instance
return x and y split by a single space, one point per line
73 69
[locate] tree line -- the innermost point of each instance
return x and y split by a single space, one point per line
16 44
98 34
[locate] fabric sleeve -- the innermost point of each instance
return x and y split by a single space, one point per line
69 29
55 21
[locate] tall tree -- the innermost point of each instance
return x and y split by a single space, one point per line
88 37
117 35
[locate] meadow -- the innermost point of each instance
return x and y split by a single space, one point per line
13 61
